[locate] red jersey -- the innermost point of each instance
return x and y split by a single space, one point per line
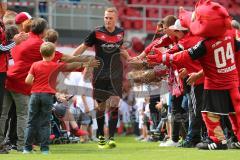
218 63
23 56
41 71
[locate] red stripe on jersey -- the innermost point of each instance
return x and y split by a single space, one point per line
108 38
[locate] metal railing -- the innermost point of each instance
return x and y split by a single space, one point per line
74 15
87 14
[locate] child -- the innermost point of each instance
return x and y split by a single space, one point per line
41 100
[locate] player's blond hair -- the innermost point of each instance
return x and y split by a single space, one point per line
111 9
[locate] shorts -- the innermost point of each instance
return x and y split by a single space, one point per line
59 110
85 119
104 88
217 102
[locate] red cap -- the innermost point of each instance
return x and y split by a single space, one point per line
21 17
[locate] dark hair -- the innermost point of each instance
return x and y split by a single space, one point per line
39 25
47 49
169 20
51 36
11 31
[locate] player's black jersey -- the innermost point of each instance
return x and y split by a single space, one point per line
107 47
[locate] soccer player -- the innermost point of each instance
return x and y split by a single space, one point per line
107 79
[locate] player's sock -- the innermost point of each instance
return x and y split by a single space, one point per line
113 119
100 122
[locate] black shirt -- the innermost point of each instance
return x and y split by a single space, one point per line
107 47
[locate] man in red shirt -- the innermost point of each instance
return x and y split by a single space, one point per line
17 91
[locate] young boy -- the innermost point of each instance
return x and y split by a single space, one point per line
41 100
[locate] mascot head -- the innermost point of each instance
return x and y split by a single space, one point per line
210 19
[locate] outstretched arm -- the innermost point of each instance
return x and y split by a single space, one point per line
80 49
179 58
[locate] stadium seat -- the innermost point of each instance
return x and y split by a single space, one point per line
134 1
127 24
138 24
152 12
166 12
150 26
125 11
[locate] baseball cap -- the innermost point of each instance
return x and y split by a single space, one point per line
21 17
178 26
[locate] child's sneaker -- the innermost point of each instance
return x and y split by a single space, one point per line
45 152
26 152
169 143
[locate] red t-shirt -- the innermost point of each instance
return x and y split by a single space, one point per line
184 43
23 55
218 63
41 72
3 55
164 41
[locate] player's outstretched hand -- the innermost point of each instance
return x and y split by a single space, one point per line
92 63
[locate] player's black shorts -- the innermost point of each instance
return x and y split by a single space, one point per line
217 101
104 88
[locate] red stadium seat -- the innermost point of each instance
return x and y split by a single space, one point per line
138 24
151 26
134 2
166 12
152 12
125 11
127 24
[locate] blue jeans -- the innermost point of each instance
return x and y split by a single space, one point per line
38 124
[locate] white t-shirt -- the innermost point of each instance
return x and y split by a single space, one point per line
86 89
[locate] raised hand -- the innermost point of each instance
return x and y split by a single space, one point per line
92 63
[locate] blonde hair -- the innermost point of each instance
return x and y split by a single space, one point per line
111 9
47 49
9 17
